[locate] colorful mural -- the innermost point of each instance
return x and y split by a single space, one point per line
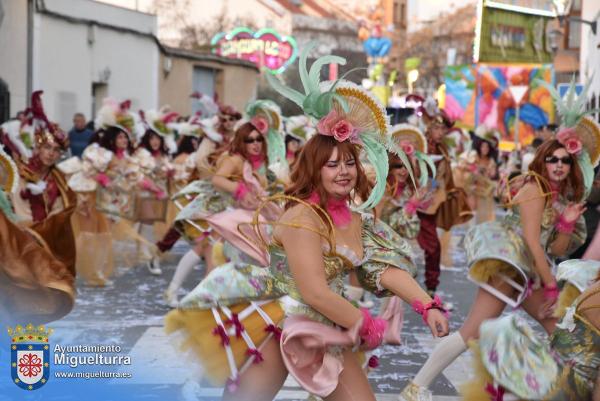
478 94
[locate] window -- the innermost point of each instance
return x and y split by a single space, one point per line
403 15
397 20
576 5
4 102
203 82
574 39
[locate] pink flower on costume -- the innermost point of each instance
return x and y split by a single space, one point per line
260 123
569 139
338 127
407 147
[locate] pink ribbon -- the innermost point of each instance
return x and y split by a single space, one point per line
497 393
220 331
253 352
275 330
233 384
235 321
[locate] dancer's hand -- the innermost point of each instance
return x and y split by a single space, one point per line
249 201
547 309
438 323
573 211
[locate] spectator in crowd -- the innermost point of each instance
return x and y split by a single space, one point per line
529 154
21 117
79 135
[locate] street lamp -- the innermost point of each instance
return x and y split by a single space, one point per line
563 8
412 77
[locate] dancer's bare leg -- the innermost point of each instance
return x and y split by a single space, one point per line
485 306
353 384
261 382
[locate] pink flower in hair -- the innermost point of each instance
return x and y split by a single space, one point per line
338 127
407 147
260 123
569 139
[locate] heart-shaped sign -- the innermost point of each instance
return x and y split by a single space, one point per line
265 48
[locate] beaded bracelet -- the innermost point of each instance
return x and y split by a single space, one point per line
423 310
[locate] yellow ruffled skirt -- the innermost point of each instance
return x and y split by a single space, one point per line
200 337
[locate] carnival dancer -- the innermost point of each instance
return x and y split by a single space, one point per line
510 359
241 178
153 157
297 130
216 143
509 259
483 180
93 238
448 206
314 243
37 251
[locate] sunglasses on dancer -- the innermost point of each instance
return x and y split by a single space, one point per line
250 140
554 159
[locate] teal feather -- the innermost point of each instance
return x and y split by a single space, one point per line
314 76
585 164
285 91
275 147
377 155
6 206
304 76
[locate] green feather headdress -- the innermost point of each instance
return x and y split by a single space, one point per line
575 121
343 100
275 140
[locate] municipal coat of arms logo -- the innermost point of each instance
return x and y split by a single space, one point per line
30 356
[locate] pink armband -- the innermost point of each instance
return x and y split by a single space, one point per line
565 227
147 184
551 292
411 206
241 191
102 179
423 310
372 330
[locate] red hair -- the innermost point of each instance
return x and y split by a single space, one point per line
572 187
306 175
239 146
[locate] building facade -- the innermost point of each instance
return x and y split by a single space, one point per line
78 52
184 72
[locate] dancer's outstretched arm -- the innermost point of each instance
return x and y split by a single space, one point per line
402 284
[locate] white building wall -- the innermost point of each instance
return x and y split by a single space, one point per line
70 57
13 52
590 51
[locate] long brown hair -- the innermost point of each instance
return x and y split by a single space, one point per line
306 175
239 146
572 187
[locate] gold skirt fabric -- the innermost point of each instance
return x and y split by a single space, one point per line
93 241
197 326
37 269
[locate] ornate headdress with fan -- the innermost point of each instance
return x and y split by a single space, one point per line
44 130
345 111
411 140
116 114
160 121
299 127
487 134
578 132
265 115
